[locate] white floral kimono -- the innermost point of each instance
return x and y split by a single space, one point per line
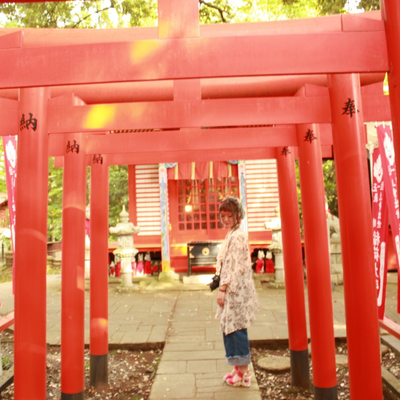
241 303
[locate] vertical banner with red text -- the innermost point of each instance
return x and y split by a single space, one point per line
380 231
386 150
10 160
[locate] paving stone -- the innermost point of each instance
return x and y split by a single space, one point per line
185 339
171 367
239 394
213 335
274 364
200 366
158 334
176 386
341 359
128 327
116 337
210 383
188 346
135 337
191 355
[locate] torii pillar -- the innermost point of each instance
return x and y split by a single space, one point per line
73 268
293 264
391 18
31 246
99 191
317 262
354 202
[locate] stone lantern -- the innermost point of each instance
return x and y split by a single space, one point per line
125 251
276 247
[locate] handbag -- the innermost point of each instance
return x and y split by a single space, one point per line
214 284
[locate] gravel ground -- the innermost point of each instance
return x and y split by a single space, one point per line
278 386
131 373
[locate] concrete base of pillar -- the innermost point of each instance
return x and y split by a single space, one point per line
99 371
325 393
299 364
75 396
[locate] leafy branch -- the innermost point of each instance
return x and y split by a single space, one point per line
91 14
220 10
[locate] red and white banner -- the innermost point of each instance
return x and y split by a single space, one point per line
10 160
380 231
386 150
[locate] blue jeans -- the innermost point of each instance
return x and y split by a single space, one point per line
237 348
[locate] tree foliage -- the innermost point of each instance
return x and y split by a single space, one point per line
328 167
128 13
118 193
54 210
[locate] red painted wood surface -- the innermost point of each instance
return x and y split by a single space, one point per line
357 240
177 19
220 88
317 258
292 251
73 267
205 113
6 321
391 17
199 58
99 188
12 40
391 326
260 111
31 249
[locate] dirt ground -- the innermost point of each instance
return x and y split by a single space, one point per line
278 386
131 373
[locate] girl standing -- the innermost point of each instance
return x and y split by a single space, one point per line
237 297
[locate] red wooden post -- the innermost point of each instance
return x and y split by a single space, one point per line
356 237
391 17
73 268
178 18
293 264
31 246
317 262
99 272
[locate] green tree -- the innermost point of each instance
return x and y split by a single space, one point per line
3 185
118 193
328 167
82 14
54 210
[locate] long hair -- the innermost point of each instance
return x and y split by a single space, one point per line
234 206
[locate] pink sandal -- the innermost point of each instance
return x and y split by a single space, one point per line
231 374
245 380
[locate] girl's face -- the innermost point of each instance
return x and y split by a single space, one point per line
227 219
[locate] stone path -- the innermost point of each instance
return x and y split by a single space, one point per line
193 361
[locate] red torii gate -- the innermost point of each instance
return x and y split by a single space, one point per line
339 45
